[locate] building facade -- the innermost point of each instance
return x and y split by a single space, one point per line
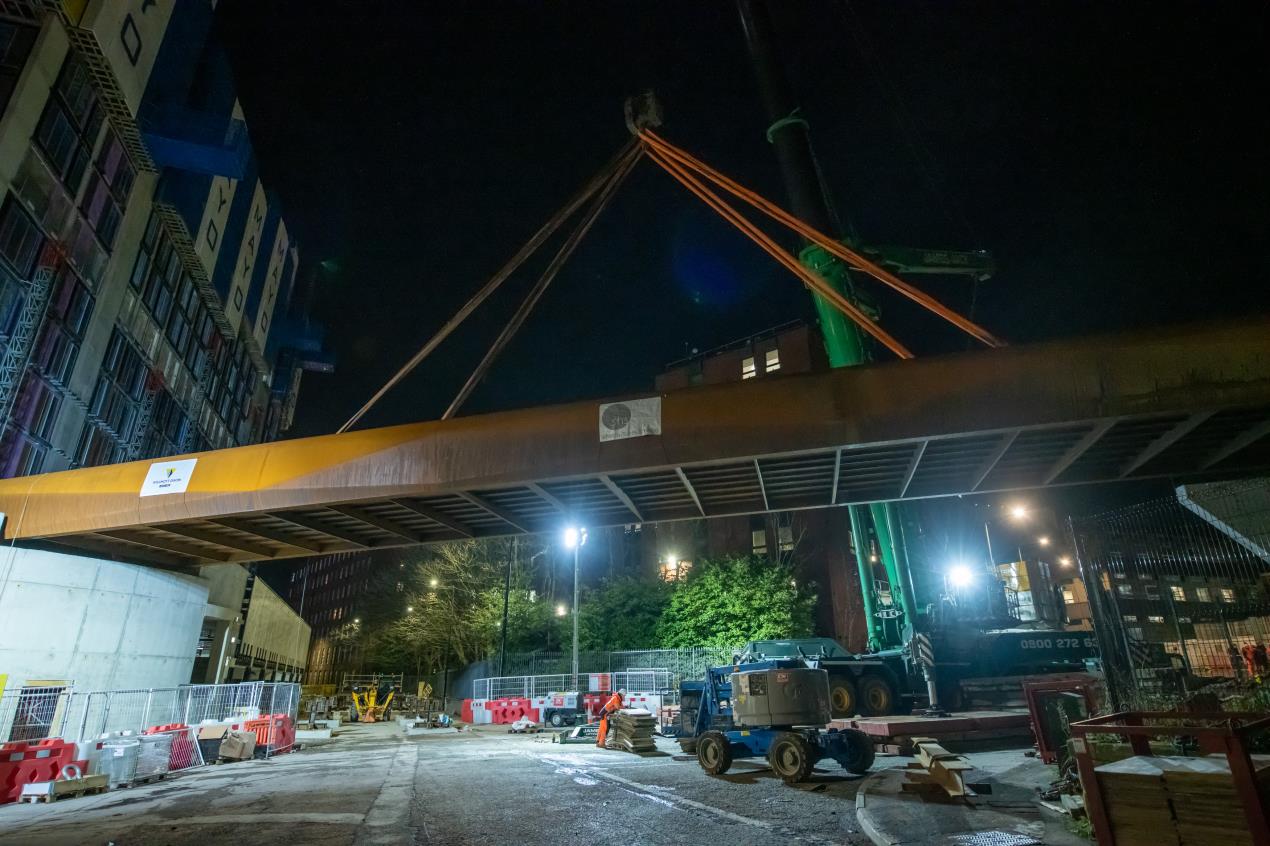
146 273
325 591
249 632
147 282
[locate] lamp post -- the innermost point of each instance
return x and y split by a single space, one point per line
574 538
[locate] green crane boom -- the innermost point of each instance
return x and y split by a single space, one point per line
845 344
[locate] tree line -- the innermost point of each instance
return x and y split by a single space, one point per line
443 607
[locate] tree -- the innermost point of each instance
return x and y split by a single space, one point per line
623 614
728 601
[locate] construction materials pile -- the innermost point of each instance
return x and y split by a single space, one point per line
1159 800
631 729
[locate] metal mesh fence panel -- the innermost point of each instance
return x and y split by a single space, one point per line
1180 595
645 670
33 713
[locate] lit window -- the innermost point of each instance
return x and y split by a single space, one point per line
674 571
772 360
1227 595
1131 618
1069 596
1202 595
758 541
1179 593
785 538
747 368
1125 590
1155 618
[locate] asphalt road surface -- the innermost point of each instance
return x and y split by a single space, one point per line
373 786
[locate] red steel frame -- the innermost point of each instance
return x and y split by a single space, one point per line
1216 733
1088 687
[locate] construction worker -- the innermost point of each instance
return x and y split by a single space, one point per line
611 707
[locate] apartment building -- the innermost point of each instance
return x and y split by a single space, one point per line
146 272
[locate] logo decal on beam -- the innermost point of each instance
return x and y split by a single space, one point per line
630 419
168 477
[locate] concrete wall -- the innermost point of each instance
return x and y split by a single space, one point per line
99 624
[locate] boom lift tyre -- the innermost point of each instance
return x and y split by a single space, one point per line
859 755
714 752
790 757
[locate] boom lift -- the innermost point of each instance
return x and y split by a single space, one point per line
767 709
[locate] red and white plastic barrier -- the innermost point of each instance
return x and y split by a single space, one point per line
24 763
508 709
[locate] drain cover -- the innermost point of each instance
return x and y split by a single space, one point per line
995 838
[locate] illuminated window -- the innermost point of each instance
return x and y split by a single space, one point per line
772 360
758 541
785 538
1069 596
1227 595
1125 590
1131 618
1202 595
674 571
1155 618
1179 593
747 368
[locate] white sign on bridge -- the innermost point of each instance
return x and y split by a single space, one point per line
630 419
168 477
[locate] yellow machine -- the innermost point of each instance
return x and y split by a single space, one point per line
373 703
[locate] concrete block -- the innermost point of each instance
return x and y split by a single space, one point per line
311 735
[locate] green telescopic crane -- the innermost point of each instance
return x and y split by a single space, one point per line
845 344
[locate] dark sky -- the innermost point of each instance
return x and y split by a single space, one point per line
1112 156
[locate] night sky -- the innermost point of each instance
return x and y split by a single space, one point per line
1112 157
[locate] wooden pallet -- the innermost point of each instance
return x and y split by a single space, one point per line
68 788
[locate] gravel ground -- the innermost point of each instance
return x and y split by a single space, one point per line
371 786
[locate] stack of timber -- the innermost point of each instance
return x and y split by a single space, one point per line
632 729
1152 801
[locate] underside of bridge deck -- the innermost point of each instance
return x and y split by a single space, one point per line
1189 402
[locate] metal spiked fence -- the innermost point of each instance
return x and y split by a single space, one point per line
1180 590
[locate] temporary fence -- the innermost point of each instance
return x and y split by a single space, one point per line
170 716
1179 590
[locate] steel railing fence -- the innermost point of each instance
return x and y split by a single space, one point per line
1180 598
36 713
645 670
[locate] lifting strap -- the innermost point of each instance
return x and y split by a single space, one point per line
685 169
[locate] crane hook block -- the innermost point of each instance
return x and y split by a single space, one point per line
643 111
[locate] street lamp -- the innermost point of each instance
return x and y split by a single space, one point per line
1043 540
410 609
434 582
574 538
960 576
1065 560
561 610
1019 512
